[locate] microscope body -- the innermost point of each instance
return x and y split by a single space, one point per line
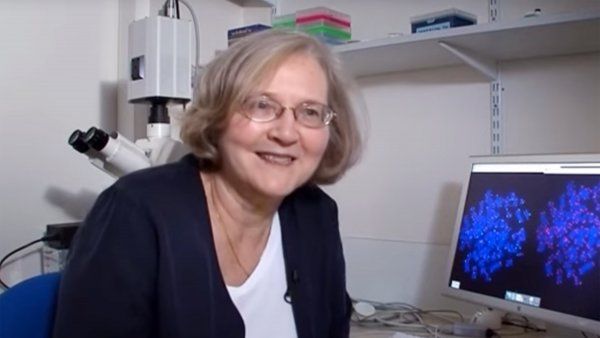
160 70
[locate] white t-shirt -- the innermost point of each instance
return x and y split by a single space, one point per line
260 299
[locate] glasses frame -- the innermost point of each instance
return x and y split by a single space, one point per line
326 120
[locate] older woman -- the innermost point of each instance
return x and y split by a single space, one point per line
235 240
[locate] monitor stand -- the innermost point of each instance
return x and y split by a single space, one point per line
489 318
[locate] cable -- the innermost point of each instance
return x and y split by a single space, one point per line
168 9
197 39
401 316
45 238
196 29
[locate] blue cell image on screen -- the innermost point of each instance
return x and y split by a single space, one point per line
568 234
534 233
492 234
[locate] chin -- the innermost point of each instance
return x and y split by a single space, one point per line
279 192
279 189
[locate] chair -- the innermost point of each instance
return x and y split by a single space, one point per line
27 309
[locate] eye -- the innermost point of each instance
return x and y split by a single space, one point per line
261 108
263 103
312 111
257 103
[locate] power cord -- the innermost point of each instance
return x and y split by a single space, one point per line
196 24
45 238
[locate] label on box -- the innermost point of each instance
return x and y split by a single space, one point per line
436 27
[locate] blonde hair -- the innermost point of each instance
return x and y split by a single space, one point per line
232 76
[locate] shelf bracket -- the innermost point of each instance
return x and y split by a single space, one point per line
486 66
490 69
496 118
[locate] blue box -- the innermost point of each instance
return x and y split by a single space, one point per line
441 20
240 32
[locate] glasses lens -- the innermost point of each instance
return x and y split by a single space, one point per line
261 109
313 115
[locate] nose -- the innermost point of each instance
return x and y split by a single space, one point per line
284 130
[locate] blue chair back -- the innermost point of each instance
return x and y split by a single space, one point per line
27 309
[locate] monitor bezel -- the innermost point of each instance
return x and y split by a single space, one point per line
549 316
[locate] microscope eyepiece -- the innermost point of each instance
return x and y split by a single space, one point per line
77 142
96 138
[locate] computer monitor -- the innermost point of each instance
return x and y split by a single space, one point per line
527 238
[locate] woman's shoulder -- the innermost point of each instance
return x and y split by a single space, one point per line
171 191
312 194
176 183
167 177
312 205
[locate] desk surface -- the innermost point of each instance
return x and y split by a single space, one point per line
361 332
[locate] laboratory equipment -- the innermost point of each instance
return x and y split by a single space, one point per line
160 75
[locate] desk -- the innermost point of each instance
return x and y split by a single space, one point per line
361 332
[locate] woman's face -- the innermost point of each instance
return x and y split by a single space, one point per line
274 158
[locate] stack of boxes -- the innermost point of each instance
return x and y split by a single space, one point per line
331 27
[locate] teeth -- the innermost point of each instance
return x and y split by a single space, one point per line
277 159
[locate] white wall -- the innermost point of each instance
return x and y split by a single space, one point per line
58 65
398 206
552 104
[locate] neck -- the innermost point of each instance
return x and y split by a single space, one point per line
240 228
244 213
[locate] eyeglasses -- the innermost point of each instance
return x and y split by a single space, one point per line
262 108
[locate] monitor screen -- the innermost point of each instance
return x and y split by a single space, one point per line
527 238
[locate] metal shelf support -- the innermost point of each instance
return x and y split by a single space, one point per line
490 69
486 66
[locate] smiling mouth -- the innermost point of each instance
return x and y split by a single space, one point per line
276 158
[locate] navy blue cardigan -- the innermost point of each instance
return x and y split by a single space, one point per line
144 263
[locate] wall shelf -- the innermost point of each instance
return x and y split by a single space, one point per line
494 42
253 3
